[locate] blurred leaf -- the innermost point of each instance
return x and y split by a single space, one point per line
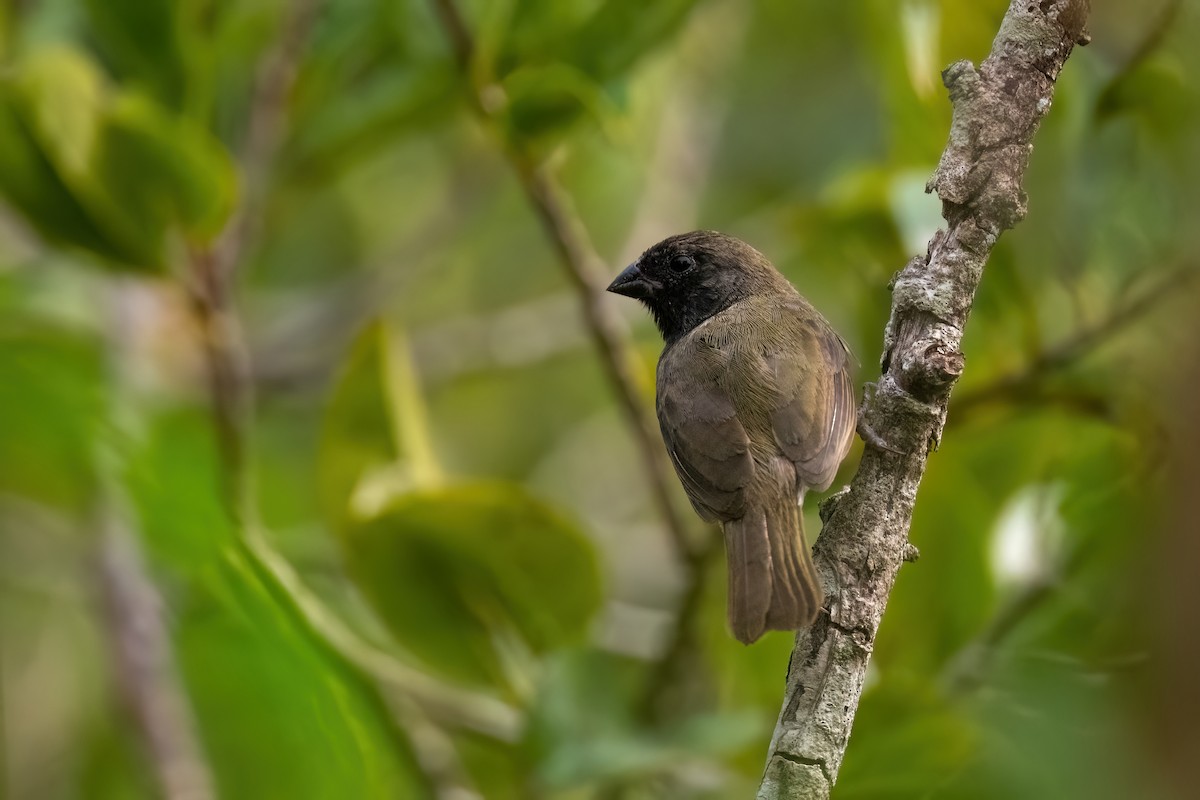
359 123
545 99
501 770
1153 90
601 40
141 38
109 172
453 571
113 768
357 436
33 182
907 742
174 482
51 406
279 713
280 718
559 62
183 176
627 30
582 729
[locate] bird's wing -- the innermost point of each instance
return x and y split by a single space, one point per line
705 439
814 416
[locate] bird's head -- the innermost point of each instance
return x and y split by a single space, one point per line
688 278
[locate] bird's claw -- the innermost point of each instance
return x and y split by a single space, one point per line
865 431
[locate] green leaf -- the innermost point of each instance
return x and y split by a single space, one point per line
603 44
51 404
454 571
30 178
376 442
142 40
560 62
110 172
357 434
629 30
545 99
280 713
582 729
183 176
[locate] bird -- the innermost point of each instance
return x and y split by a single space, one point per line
756 406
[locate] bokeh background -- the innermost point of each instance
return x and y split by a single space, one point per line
313 485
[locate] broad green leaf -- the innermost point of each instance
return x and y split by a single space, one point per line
35 184
545 99
454 571
357 434
559 62
280 714
183 176
602 40
142 39
629 29
104 170
376 441
51 406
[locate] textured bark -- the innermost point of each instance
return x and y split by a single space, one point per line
997 110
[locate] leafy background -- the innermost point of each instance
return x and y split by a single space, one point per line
430 565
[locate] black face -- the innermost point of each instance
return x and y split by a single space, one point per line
688 278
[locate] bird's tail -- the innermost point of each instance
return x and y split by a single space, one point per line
772 582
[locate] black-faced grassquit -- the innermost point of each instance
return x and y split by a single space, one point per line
756 407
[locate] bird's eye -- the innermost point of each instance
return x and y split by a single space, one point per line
682 263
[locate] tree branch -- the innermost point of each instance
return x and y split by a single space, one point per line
997 110
584 269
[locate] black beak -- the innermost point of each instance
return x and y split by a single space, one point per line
632 283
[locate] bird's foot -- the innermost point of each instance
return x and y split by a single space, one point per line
865 431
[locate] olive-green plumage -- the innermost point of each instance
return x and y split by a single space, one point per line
756 407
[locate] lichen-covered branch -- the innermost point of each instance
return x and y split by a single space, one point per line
997 110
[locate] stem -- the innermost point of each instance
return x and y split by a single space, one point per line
140 642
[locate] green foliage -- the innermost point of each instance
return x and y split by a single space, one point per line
49 414
106 170
455 571
435 453
279 713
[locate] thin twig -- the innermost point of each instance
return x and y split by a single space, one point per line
143 667
583 267
1154 37
1075 347
142 656
265 128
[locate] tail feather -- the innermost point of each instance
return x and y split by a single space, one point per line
773 584
796 594
748 547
